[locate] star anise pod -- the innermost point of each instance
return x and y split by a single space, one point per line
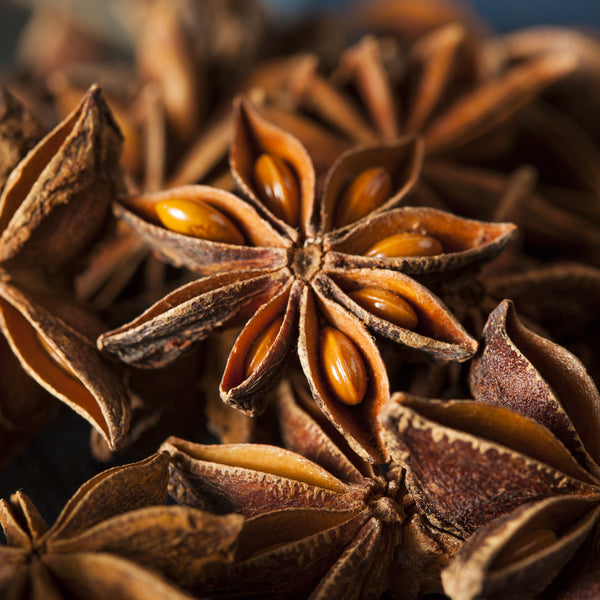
114 538
521 462
433 79
320 269
54 204
321 522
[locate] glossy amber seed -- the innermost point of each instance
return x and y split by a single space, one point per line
197 219
278 188
523 546
405 244
386 305
343 366
261 345
368 191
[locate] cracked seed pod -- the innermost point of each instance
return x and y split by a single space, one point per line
53 205
316 512
518 555
113 538
525 480
434 82
54 342
55 201
567 401
300 276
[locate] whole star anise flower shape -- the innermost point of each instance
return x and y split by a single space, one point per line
433 81
54 204
518 468
301 265
320 521
114 538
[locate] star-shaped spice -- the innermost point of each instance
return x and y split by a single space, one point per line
433 81
321 522
53 205
113 539
529 444
318 268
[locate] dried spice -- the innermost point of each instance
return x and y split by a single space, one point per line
311 251
113 538
330 521
19 132
431 79
284 278
54 204
528 443
556 133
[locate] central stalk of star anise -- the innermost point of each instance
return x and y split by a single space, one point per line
306 261
386 510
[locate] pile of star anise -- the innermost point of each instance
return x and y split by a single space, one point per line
263 261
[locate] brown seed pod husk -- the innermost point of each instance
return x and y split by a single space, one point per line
467 243
189 314
248 393
357 423
552 388
20 131
83 380
485 460
264 247
56 200
438 333
402 159
483 568
254 136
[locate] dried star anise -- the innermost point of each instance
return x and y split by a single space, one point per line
433 80
321 522
529 442
290 259
54 203
114 538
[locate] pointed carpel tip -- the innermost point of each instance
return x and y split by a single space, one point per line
93 95
453 33
563 63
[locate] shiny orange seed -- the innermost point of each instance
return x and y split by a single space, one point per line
405 244
523 546
386 305
342 366
261 345
197 219
278 188
367 191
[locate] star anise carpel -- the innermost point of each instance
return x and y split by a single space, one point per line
304 265
53 206
517 468
434 82
115 537
332 521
